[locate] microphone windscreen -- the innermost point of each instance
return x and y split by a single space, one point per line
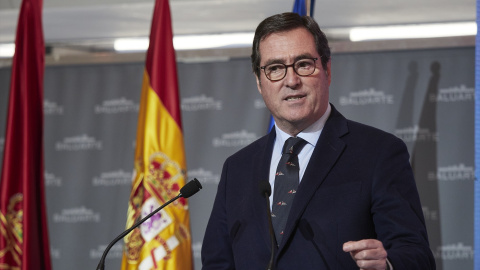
265 188
306 229
190 188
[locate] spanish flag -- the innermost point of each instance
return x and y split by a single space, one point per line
24 240
163 241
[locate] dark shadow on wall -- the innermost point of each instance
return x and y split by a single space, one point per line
405 115
424 162
421 140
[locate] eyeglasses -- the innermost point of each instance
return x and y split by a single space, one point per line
302 67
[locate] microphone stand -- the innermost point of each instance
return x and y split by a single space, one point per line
272 234
101 264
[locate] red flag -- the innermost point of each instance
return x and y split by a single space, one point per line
23 226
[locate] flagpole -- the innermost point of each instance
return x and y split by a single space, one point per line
307 2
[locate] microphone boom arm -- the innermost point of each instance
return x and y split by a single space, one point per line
101 264
186 191
270 229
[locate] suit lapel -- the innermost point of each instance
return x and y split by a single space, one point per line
328 149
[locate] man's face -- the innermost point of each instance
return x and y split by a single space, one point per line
295 102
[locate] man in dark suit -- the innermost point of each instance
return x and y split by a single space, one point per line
351 201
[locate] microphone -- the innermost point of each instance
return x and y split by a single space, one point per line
186 191
266 191
307 232
190 189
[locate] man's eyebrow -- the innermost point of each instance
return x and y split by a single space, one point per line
281 61
303 56
274 61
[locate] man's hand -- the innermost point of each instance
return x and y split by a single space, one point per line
368 254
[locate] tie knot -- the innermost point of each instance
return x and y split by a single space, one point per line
293 145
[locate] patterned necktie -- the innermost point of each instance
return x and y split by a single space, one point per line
286 183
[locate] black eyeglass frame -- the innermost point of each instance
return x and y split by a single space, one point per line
292 66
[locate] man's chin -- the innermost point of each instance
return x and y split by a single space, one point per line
297 122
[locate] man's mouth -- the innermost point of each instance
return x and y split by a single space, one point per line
294 98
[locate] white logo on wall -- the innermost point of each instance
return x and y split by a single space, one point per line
52 108
115 252
120 105
415 133
429 214
113 178
197 250
200 103
204 176
234 139
52 180
366 97
157 223
76 215
453 94
454 252
78 143
453 173
259 103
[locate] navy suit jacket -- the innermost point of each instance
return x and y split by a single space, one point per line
358 185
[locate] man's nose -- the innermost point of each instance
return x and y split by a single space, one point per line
292 79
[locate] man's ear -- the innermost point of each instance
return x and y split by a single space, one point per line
259 84
329 72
